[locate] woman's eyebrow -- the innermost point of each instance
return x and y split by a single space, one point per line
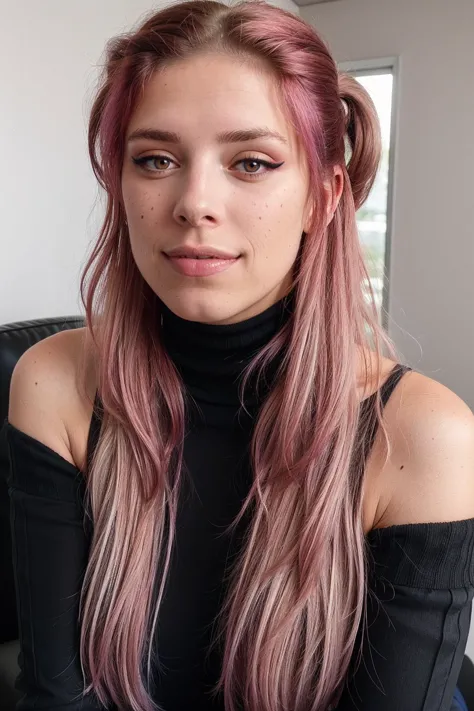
239 136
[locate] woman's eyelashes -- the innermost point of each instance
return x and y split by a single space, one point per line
145 161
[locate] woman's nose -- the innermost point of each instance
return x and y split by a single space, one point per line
195 218
200 202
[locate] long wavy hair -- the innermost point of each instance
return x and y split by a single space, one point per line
297 590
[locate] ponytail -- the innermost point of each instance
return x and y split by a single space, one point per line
363 133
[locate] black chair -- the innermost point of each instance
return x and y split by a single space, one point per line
466 682
15 339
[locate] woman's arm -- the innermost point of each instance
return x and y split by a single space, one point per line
50 542
422 558
418 617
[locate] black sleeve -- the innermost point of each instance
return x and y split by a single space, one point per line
50 543
418 617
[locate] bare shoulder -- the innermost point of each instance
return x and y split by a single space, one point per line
429 476
50 391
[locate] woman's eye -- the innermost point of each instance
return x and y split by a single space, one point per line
268 166
146 162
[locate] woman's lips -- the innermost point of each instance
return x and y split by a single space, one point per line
188 266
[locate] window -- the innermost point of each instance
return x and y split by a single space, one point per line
373 218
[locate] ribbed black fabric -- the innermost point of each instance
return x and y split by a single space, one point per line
421 576
211 359
425 555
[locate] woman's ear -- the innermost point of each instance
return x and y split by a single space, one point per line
333 188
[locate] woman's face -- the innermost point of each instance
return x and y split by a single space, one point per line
200 188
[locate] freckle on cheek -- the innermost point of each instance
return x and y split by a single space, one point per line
141 217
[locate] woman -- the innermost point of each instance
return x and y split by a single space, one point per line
310 550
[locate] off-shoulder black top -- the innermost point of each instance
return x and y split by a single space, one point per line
421 577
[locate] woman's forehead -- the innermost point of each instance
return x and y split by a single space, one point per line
211 97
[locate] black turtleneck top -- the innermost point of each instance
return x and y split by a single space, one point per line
421 581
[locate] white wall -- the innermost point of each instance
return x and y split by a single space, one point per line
49 52
432 270
432 275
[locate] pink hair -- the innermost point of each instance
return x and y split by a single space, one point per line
296 596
